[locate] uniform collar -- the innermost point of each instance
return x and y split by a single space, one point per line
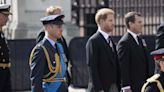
50 40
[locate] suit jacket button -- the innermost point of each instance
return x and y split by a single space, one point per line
1 53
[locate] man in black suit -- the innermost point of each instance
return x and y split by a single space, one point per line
101 55
5 81
136 64
48 69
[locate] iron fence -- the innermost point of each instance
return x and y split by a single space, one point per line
83 12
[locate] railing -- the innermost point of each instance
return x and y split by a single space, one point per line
2 1
83 12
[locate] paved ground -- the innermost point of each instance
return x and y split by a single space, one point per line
76 90
70 90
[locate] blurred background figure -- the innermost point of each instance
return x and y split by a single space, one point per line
160 36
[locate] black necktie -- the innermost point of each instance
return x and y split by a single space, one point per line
140 41
142 46
110 42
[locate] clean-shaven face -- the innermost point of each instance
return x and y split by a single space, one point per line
56 31
3 19
138 24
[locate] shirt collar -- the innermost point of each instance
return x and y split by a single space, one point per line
50 40
134 35
105 35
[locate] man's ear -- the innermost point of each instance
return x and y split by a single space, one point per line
130 24
101 21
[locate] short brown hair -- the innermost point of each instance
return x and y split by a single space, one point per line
130 17
102 14
52 10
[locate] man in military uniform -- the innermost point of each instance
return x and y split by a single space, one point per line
5 82
48 69
52 10
156 82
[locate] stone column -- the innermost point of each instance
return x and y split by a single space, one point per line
18 25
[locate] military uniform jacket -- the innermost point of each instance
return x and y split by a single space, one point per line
39 66
4 50
152 87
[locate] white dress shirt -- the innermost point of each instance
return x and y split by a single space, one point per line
105 35
52 42
134 35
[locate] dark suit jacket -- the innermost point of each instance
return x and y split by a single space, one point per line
134 63
102 62
39 66
152 87
160 36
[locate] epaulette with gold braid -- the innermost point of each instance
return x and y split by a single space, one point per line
52 69
154 79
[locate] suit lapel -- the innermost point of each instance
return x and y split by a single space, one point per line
107 48
136 46
105 43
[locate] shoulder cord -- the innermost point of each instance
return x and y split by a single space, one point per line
50 66
159 85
